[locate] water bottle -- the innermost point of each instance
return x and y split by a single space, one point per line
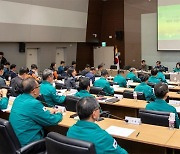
171 120
127 85
135 95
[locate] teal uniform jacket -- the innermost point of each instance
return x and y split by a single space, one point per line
83 93
91 132
153 79
28 117
176 69
147 90
49 94
103 83
161 77
162 105
133 77
120 80
4 103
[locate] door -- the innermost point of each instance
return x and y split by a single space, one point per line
59 56
31 57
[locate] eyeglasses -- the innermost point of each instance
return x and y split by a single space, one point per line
36 87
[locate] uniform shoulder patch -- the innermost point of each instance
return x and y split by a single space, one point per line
115 144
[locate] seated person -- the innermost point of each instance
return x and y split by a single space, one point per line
103 83
2 81
16 83
48 91
12 72
153 78
120 79
28 115
132 76
84 87
159 66
53 68
2 58
64 74
34 72
91 74
177 69
161 76
161 92
70 80
143 66
3 99
100 68
86 129
6 74
61 67
86 70
73 64
146 89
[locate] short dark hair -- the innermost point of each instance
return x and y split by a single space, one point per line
73 62
100 66
52 65
178 64
120 71
1 67
160 89
29 85
86 106
34 66
154 72
46 73
70 70
159 62
84 83
62 62
87 66
144 77
142 61
1 53
104 72
13 66
23 70
7 63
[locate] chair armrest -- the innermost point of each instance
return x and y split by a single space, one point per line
34 147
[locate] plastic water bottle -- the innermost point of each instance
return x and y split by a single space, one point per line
127 85
135 95
171 120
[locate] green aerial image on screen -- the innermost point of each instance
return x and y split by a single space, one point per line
169 22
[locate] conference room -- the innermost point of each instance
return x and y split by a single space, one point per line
61 59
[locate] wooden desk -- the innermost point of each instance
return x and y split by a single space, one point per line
125 107
176 88
173 142
120 90
152 139
174 95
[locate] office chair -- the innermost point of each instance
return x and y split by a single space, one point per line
113 67
59 144
129 94
167 76
113 83
96 90
154 117
60 77
151 84
9 143
60 86
70 103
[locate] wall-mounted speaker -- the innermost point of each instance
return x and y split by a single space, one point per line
22 47
119 35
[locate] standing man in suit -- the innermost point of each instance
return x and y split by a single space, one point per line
2 59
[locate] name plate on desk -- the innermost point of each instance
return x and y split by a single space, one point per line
132 120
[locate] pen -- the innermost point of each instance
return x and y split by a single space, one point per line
137 134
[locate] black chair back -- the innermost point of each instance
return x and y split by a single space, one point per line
8 140
129 94
70 103
167 76
154 117
113 67
60 86
96 90
59 144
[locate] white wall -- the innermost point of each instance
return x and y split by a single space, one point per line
149 44
104 55
46 53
